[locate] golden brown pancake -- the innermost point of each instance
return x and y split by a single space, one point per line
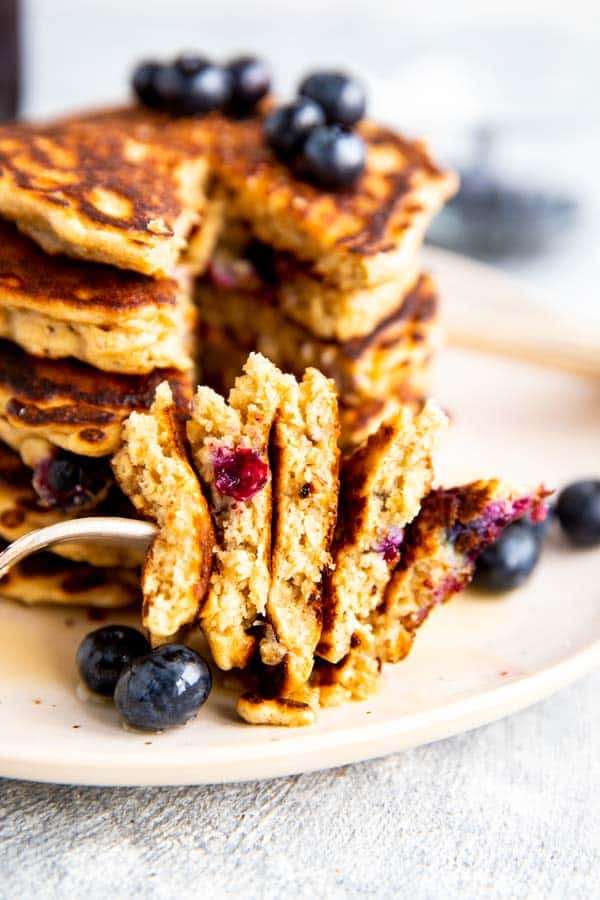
71 405
118 321
91 190
126 186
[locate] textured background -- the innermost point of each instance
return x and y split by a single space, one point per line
510 810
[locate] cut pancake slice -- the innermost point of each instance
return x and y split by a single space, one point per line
47 578
102 190
21 512
153 470
71 405
230 442
56 307
439 552
305 461
382 486
355 677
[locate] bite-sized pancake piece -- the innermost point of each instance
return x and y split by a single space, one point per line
363 369
21 512
56 307
47 578
93 190
355 677
292 712
153 470
72 405
355 238
230 443
305 463
439 552
382 485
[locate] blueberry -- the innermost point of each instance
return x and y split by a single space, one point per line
333 158
508 562
192 92
104 653
342 98
190 63
68 481
251 81
165 688
287 127
578 511
143 81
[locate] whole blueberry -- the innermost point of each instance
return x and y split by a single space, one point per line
143 82
189 63
509 561
578 511
287 127
163 689
251 81
104 653
65 480
333 158
194 92
342 98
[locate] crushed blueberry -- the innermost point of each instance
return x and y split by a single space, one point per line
68 481
390 545
239 473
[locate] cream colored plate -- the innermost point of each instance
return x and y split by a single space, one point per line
476 660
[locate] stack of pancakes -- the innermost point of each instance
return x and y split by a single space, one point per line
136 249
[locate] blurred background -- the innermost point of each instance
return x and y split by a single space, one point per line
507 92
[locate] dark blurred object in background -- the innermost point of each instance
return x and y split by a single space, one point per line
10 62
493 217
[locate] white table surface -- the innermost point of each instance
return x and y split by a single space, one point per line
509 810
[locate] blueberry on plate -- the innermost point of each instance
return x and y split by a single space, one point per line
287 127
509 561
195 91
165 688
578 511
251 81
104 653
143 82
332 157
342 98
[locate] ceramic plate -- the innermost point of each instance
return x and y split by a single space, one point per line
477 659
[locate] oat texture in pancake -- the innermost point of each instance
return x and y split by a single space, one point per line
230 443
382 485
118 321
305 461
153 470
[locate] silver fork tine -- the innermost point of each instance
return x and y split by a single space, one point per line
95 529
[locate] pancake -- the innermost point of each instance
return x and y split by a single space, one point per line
126 187
92 190
71 405
119 321
21 512
47 578
363 369
381 488
354 238
153 469
439 552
